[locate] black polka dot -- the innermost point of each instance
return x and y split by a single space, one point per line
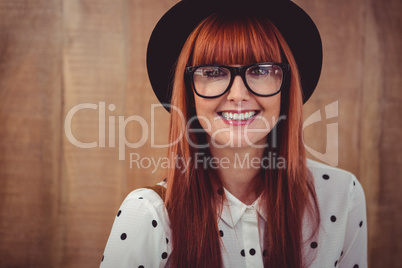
252 252
333 218
164 255
356 266
361 224
141 266
123 236
221 233
154 223
325 177
140 197
242 253
313 244
354 183
220 191
103 257
342 253
265 253
336 263
167 241
118 213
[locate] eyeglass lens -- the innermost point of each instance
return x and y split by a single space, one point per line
212 81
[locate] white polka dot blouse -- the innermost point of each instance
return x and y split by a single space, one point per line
141 237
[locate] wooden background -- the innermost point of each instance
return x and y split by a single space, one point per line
58 201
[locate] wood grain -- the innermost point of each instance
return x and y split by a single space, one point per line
93 72
30 103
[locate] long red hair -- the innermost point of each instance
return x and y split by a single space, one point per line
288 193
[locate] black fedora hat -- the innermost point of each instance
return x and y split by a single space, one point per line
172 30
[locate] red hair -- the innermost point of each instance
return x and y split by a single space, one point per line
288 193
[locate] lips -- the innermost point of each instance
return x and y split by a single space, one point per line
238 118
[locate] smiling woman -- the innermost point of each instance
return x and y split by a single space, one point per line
251 92
257 41
240 78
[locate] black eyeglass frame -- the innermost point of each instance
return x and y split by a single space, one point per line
238 70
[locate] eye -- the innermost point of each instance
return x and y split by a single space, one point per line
213 72
260 70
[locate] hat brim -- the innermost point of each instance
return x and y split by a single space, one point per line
172 30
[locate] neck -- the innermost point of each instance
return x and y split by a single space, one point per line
239 171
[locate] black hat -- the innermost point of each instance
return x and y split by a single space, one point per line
172 30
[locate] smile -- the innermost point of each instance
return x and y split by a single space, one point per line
238 116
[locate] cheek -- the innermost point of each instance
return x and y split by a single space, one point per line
205 111
270 114
205 107
272 105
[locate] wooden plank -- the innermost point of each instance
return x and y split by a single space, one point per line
30 104
94 62
382 112
340 24
370 128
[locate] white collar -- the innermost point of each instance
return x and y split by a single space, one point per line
233 209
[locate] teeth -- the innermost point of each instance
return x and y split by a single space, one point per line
238 116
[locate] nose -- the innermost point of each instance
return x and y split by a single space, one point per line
238 91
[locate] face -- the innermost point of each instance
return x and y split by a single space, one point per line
238 118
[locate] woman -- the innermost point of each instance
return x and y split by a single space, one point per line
239 192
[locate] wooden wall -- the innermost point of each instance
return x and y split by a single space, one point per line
58 201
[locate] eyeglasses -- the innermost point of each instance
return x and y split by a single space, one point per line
262 79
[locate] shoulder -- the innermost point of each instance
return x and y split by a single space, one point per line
335 184
342 208
322 171
142 208
329 176
140 232
145 203
144 195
